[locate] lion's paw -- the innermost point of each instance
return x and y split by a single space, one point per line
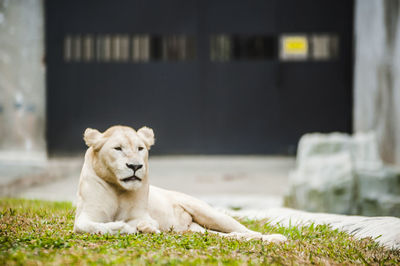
274 238
127 229
102 229
115 226
147 227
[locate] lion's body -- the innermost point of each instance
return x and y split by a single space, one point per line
165 208
114 193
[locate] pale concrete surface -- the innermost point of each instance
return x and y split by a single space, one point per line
249 182
11 171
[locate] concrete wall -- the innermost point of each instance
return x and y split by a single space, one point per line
377 74
22 80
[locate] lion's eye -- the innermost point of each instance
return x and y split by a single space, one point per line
118 148
140 148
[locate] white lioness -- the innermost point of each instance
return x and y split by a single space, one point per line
114 193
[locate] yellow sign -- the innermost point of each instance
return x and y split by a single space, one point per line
295 45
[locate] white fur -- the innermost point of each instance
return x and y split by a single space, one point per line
106 204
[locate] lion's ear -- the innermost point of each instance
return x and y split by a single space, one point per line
93 138
147 135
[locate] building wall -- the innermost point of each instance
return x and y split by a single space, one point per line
377 74
22 80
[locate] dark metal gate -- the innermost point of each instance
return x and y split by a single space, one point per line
246 77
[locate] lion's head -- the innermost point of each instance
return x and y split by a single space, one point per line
120 154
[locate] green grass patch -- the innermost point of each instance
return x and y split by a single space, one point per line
39 232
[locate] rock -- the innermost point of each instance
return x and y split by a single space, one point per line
343 174
324 184
374 183
379 191
362 147
365 151
385 205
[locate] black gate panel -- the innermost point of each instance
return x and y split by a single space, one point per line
207 76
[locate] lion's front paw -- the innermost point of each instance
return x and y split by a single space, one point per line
115 227
147 227
107 228
274 238
127 229
101 229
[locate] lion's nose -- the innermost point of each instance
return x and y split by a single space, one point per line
134 167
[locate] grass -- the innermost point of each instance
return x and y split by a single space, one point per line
40 232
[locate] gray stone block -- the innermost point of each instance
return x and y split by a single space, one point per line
384 205
374 183
324 184
343 174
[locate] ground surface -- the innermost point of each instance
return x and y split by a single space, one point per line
255 182
39 232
